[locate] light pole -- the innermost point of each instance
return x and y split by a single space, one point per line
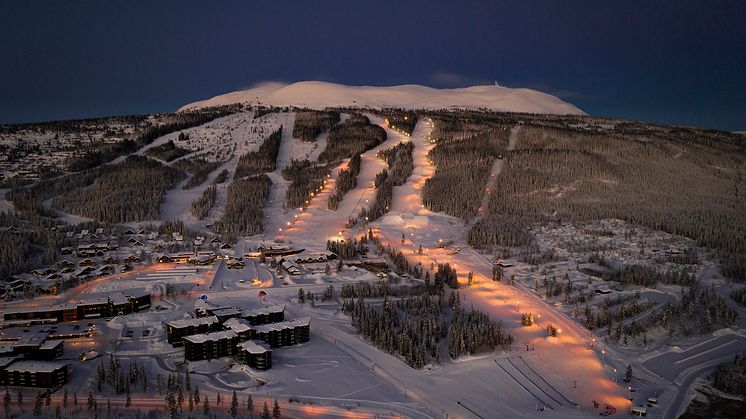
603 357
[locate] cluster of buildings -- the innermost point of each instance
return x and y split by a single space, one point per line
30 358
114 304
248 334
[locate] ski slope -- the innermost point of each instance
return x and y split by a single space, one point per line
561 374
319 95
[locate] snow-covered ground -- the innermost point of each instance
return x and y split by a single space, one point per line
319 95
572 369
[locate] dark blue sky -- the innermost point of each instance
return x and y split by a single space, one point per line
668 61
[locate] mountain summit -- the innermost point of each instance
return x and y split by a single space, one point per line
319 95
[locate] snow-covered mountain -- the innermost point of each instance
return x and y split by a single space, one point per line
319 95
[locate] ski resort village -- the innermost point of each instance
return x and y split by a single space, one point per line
320 250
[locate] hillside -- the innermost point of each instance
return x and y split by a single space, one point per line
319 95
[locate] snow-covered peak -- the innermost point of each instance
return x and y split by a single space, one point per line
319 95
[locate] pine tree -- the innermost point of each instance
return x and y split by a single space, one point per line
250 406
628 374
206 406
265 411
91 403
301 296
108 408
276 410
38 404
234 405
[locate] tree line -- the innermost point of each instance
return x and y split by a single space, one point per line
130 191
167 151
400 166
355 136
199 168
310 124
306 180
169 123
263 160
346 181
462 167
243 213
683 182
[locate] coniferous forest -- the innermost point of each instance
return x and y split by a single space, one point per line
310 124
356 135
261 161
243 214
562 173
346 181
462 168
306 180
400 165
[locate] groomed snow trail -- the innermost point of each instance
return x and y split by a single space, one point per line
497 168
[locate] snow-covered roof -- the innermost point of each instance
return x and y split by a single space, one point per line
237 325
254 347
35 366
290 324
214 336
178 324
263 310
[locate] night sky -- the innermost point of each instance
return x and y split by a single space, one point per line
678 62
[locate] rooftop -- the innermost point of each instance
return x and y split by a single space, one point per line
305 321
192 322
254 347
214 336
35 366
263 310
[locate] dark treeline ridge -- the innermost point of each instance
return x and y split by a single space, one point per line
310 124
167 151
199 168
400 120
243 210
401 164
346 181
306 180
462 168
355 136
683 181
27 248
413 327
130 191
178 121
264 160
76 126
202 205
